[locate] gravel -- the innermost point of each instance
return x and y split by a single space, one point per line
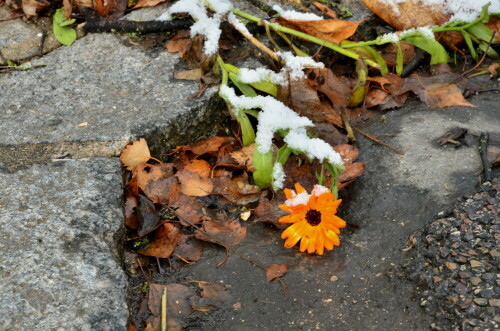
454 262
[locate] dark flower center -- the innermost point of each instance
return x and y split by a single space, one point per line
313 217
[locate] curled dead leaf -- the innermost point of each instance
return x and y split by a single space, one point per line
165 240
188 249
194 185
443 95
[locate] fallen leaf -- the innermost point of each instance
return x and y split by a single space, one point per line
188 249
244 157
215 292
210 145
179 43
390 52
329 133
158 191
148 217
131 219
134 154
193 184
325 9
178 306
193 74
494 25
351 172
406 15
333 31
189 209
32 7
165 240
275 271
494 70
223 232
335 88
200 167
452 135
110 8
443 95
267 211
237 190
145 173
347 152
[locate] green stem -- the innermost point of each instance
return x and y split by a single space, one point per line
225 76
305 36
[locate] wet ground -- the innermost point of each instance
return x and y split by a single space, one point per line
358 285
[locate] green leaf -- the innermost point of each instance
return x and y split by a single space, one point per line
263 164
264 86
481 31
247 132
63 33
430 45
468 41
67 22
244 88
399 60
378 58
490 51
283 154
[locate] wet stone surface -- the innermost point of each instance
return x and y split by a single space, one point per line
59 263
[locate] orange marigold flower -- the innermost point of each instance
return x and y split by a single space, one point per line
313 219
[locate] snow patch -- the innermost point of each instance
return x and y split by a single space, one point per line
294 15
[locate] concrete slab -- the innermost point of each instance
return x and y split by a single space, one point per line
59 264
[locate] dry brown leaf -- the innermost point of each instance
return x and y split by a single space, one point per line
407 14
134 154
494 70
165 240
237 190
215 292
32 7
145 173
158 191
275 271
188 249
325 9
178 305
223 232
329 133
210 145
110 8
334 87
131 219
347 152
351 172
147 215
443 95
194 185
194 74
68 8
494 25
390 53
179 43
333 31
268 211
244 157
148 3
200 167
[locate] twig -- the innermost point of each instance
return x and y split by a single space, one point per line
11 18
378 141
258 44
164 310
347 126
96 24
483 152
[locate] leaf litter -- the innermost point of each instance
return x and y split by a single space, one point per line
195 199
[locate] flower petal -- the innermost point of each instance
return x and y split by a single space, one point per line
333 237
313 237
299 188
320 243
